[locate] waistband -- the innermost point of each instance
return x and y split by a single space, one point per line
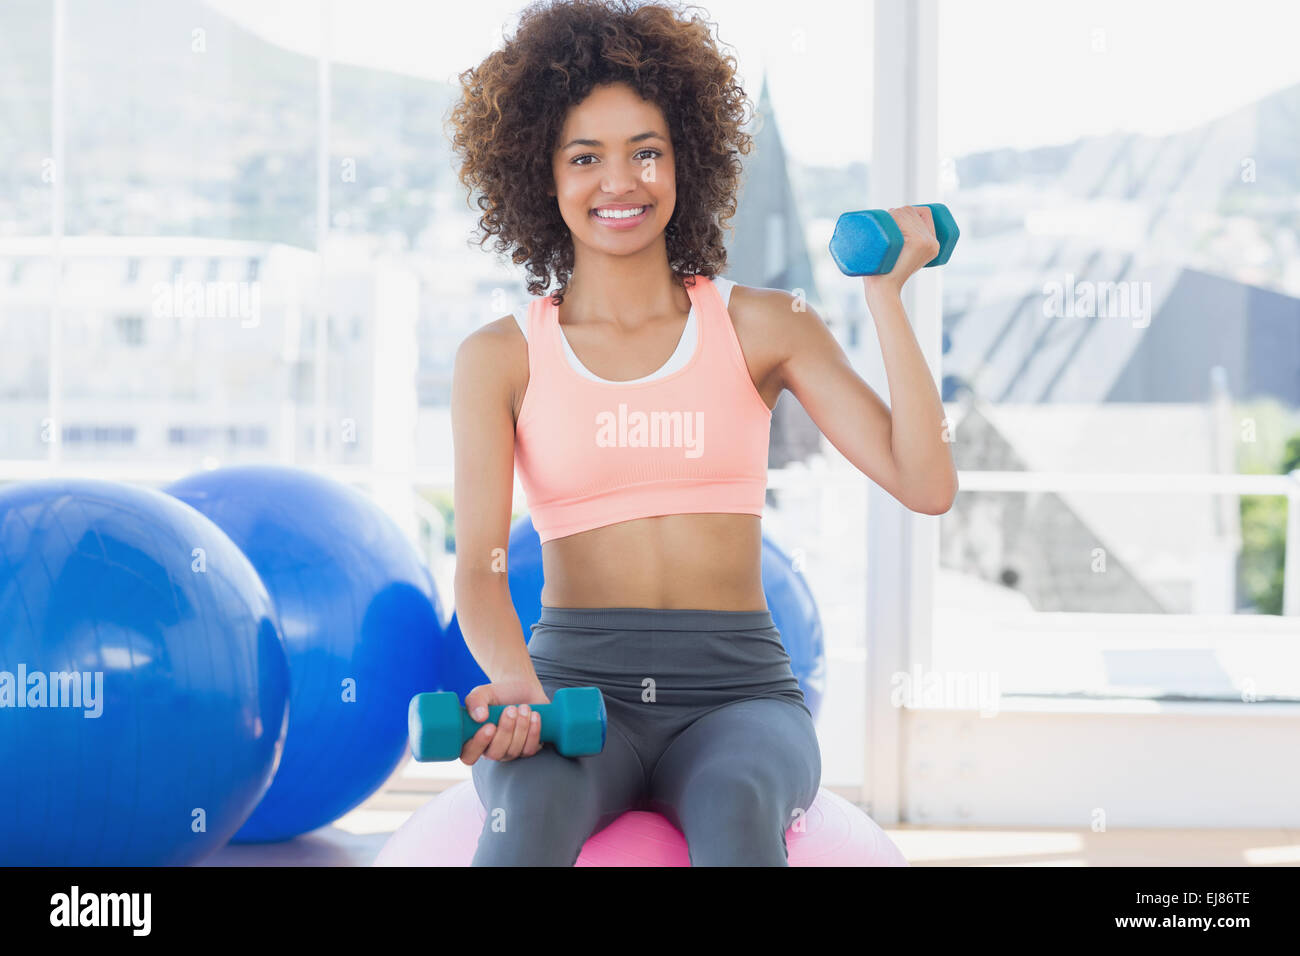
655 618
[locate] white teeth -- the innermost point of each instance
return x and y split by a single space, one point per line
620 213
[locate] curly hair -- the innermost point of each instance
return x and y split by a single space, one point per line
512 108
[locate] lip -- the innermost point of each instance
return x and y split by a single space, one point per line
629 223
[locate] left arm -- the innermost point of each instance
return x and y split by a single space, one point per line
902 448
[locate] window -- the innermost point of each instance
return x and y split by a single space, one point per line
129 329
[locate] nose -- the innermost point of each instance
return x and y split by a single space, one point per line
618 184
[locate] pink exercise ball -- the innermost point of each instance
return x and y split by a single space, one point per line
444 832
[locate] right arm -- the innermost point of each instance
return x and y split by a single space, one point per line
483 430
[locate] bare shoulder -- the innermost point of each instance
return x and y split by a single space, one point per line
770 324
494 359
492 342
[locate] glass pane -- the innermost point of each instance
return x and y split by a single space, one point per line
26 157
180 123
27 176
1123 301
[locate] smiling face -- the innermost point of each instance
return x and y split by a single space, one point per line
613 171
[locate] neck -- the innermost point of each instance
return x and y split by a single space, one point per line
628 291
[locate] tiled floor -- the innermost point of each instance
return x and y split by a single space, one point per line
356 839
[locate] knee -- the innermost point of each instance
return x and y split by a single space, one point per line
734 819
539 816
734 797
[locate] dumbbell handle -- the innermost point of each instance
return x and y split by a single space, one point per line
469 726
574 721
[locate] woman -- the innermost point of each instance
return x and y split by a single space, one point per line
603 140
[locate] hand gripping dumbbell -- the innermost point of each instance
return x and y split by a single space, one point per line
867 242
574 721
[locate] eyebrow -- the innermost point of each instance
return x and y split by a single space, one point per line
649 134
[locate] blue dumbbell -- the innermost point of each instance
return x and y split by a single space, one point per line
574 721
867 242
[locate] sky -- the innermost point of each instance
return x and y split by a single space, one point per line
1013 73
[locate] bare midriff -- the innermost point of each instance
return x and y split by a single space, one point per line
706 561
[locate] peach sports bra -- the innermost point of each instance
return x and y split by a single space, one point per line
691 437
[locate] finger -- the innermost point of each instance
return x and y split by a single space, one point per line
534 743
479 696
927 216
500 746
522 727
475 746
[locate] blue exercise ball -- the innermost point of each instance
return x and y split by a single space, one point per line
794 612
361 623
144 688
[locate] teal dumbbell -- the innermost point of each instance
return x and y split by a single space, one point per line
574 721
867 242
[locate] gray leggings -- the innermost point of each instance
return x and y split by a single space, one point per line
706 726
